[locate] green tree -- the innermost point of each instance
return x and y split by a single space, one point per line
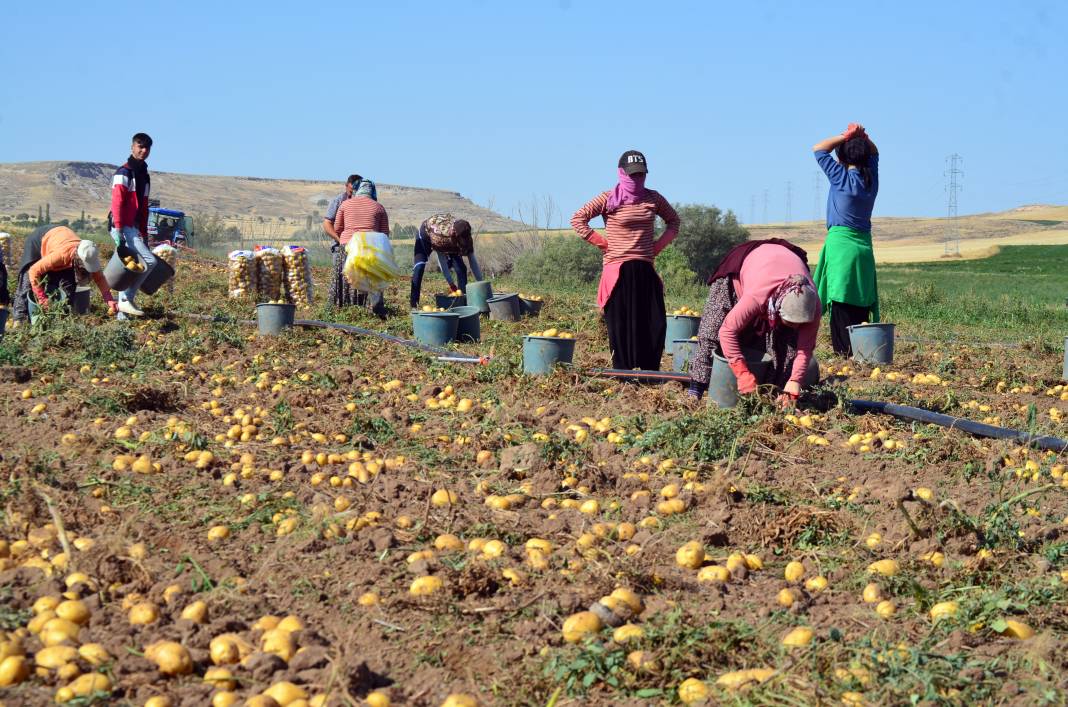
706 234
48 213
560 259
40 216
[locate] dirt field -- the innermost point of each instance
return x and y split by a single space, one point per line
338 520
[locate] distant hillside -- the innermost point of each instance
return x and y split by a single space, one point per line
70 187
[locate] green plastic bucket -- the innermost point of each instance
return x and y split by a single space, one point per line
435 328
504 308
478 292
872 343
449 301
541 353
682 352
530 307
680 326
468 327
273 318
722 384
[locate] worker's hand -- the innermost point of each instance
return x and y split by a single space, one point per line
116 235
598 240
113 307
747 382
854 130
40 296
792 388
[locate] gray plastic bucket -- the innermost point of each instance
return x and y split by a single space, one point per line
530 307
468 327
449 301
682 352
478 292
157 277
872 343
118 277
504 308
435 328
541 353
1064 373
273 318
723 386
80 303
812 374
680 326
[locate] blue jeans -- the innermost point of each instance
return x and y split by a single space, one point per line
131 238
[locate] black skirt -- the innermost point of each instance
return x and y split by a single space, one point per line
636 318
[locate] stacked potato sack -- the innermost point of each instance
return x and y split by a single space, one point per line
241 272
270 274
298 275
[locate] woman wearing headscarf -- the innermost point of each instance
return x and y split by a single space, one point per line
845 275
630 292
55 260
361 212
453 240
760 297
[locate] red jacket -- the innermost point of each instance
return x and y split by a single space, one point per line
129 200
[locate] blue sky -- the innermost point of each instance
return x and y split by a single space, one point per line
508 102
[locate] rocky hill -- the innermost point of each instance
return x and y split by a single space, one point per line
70 187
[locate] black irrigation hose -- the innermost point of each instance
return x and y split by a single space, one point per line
442 354
906 412
636 374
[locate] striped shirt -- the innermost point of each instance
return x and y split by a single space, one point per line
360 213
629 229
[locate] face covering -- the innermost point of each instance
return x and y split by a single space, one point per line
629 190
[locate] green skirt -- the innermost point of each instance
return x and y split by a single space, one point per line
846 271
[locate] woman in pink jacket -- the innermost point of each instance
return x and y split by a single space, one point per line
760 297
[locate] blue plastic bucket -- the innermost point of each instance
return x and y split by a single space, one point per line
722 384
504 308
541 353
872 343
682 351
468 327
273 318
449 301
680 326
478 292
435 328
530 307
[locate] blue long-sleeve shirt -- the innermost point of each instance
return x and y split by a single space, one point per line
849 201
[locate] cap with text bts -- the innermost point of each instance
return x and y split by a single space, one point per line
633 162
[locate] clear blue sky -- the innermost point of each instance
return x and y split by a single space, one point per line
507 101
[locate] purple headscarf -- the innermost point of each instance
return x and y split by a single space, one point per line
630 190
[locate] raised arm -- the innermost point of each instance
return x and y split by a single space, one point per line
581 220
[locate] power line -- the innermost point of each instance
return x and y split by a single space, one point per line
954 174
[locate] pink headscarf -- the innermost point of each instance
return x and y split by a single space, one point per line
630 190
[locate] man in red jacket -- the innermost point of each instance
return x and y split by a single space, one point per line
130 188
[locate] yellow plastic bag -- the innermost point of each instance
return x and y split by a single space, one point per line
369 263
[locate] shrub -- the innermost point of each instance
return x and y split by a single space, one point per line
705 236
560 260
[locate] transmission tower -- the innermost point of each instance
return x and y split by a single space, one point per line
816 197
765 206
954 175
752 208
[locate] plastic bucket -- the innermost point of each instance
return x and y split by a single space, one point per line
273 318
33 309
541 353
118 277
468 327
723 386
478 293
449 301
3 321
435 328
812 374
504 308
680 326
157 277
682 351
81 300
1064 373
530 307
872 343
